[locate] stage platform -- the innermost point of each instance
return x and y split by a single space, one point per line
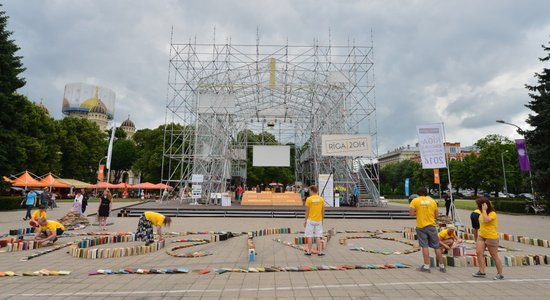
251 198
175 209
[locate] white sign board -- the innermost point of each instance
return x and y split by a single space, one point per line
346 145
197 178
430 143
196 191
328 194
271 156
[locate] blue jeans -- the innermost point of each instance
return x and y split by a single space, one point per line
29 207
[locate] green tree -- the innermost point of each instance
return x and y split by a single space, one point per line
11 140
538 139
83 144
123 157
490 164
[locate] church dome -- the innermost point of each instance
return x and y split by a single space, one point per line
128 123
98 109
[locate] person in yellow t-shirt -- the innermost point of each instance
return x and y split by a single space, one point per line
48 231
447 238
487 238
425 210
37 214
145 226
313 223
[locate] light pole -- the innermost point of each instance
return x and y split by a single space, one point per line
504 172
522 132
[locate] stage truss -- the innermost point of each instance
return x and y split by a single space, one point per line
216 91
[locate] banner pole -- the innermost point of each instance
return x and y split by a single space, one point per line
455 216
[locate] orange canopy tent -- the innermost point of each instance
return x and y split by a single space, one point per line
51 181
7 179
121 185
104 185
26 180
162 186
145 186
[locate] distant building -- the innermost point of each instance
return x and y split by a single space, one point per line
89 102
453 151
128 127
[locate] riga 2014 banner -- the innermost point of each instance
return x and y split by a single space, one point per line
430 143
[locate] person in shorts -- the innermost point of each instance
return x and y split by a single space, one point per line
487 238
474 218
425 210
315 213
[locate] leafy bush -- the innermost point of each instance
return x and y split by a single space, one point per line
509 205
10 203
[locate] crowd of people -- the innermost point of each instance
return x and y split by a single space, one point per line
425 209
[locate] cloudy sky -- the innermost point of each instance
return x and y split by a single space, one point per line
463 63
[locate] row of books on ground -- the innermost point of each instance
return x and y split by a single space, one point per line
105 239
12 245
114 252
269 231
509 260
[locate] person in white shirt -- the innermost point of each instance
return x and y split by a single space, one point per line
77 204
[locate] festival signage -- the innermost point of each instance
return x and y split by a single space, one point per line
196 191
430 143
522 155
346 145
198 178
326 181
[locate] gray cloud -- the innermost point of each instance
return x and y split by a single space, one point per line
459 62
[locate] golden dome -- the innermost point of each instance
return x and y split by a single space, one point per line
94 101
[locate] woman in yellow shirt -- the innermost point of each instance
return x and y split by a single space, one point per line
145 226
487 238
40 213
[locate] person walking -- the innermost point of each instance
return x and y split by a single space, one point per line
144 231
30 202
425 210
45 197
77 203
447 204
239 193
85 198
105 207
313 223
487 238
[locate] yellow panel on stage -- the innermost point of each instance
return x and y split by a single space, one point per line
278 199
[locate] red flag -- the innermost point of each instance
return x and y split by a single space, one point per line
436 176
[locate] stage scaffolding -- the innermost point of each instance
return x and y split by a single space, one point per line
297 93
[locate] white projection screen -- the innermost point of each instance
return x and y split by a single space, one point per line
271 156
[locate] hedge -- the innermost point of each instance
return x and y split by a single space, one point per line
509 205
10 203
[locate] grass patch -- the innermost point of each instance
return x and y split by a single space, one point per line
460 204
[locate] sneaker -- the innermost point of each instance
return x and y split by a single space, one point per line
321 254
443 270
498 277
307 254
479 274
422 269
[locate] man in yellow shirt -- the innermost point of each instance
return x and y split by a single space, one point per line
37 214
315 213
425 210
447 238
48 231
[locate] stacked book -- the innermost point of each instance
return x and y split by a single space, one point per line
409 233
18 245
526 260
269 231
21 231
251 250
85 252
462 261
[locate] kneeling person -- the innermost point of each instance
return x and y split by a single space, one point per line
36 215
49 231
447 238
145 226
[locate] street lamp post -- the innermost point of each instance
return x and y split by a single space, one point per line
504 172
522 132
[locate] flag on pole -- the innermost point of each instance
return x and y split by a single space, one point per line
110 150
100 172
522 155
436 176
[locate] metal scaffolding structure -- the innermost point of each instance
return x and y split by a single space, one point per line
297 93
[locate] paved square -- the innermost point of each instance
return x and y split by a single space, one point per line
531 282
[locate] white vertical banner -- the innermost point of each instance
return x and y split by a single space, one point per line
430 143
110 150
328 194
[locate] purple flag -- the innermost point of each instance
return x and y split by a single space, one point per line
522 155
